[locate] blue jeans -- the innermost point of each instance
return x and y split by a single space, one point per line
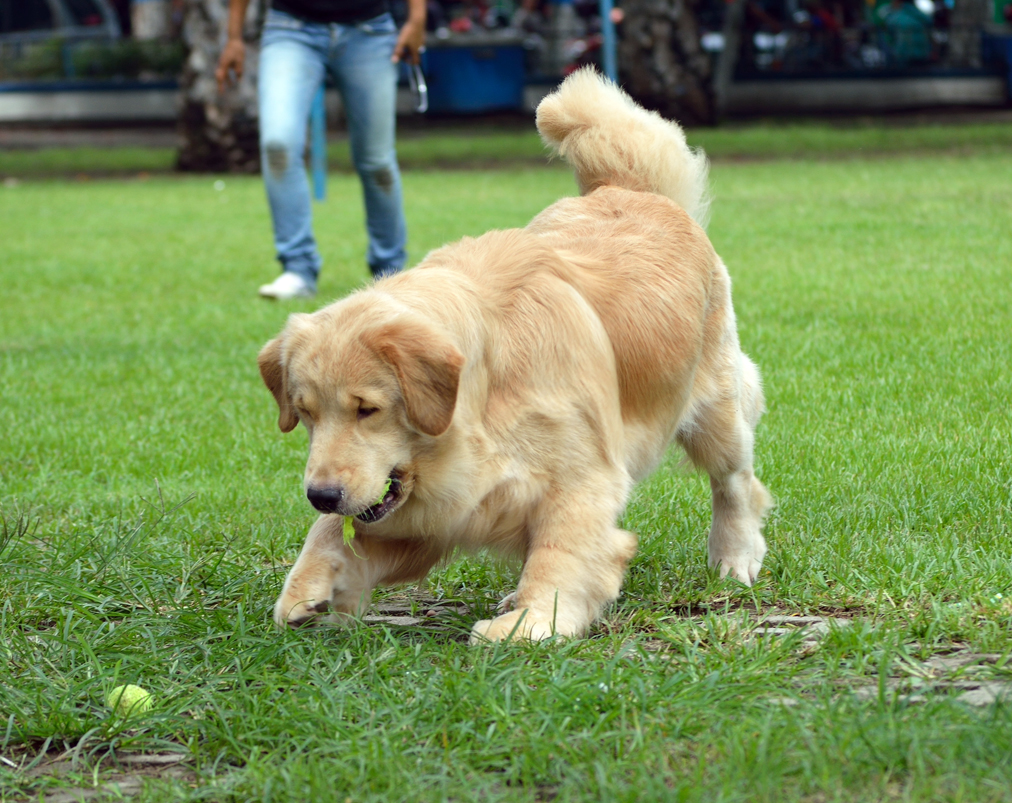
293 57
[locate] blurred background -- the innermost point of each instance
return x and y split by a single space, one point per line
148 64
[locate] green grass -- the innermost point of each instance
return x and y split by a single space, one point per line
85 160
474 145
150 508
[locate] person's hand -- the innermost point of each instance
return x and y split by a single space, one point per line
410 43
232 59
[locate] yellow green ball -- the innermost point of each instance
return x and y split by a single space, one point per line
129 700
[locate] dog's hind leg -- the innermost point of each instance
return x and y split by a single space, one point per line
719 438
333 581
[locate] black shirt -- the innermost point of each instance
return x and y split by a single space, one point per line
345 12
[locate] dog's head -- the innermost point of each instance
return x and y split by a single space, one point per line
371 385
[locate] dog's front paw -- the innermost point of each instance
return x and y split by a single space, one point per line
290 612
506 603
512 626
743 568
315 609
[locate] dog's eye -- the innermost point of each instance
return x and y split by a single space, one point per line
365 412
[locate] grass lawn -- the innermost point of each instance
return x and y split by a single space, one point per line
150 509
434 146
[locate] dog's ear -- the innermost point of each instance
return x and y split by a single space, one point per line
428 368
272 369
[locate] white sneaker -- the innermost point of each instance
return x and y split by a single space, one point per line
288 285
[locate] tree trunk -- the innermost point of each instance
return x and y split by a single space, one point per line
727 60
662 63
966 22
219 132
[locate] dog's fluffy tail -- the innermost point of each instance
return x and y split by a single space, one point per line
610 140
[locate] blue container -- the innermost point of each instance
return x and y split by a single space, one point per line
470 73
997 50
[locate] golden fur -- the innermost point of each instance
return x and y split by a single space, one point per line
514 386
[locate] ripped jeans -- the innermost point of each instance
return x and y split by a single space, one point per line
293 57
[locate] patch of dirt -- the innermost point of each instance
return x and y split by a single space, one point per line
412 609
966 675
114 778
972 678
977 693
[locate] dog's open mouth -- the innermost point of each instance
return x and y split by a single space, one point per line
384 506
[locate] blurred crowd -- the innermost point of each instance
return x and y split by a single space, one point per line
137 38
845 35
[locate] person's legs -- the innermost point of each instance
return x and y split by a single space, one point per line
368 83
291 68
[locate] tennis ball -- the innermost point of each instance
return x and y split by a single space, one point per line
385 489
129 700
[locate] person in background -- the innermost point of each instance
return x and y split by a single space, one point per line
907 32
358 42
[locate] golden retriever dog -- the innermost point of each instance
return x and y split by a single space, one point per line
507 392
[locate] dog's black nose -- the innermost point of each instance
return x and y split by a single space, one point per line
326 500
